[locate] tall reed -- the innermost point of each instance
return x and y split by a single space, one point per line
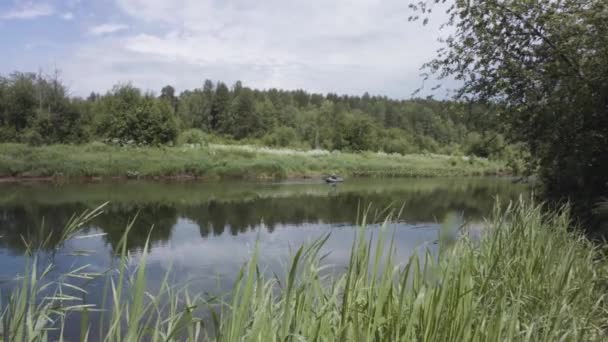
527 277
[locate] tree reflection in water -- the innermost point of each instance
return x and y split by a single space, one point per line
235 208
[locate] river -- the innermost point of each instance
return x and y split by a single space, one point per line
202 233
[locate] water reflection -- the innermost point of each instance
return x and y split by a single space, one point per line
236 207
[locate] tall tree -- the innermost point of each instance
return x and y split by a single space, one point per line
243 120
237 87
131 117
22 101
168 94
219 106
545 63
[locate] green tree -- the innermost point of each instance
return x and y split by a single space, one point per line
39 110
219 106
5 132
168 94
395 140
207 100
155 122
22 101
65 124
361 134
282 136
193 110
545 65
330 126
306 126
131 117
243 120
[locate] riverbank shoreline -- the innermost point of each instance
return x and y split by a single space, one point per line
99 162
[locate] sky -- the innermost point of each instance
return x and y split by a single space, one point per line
338 46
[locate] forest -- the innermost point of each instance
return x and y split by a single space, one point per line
37 109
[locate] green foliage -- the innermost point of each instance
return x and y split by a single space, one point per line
21 103
360 135
544 64
130 117
483 145
194 109
37 110
219 107
349 123
33 137
516 157
281 136
8 134
193 136
242 119
488 290
395 140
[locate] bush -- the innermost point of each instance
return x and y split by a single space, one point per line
516 157
33 138
398 145
427 144
281 136
451 149
397 141
8 134
129 116
360 135
485 146
192 136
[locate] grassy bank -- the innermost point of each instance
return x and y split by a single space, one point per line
527 279
223 161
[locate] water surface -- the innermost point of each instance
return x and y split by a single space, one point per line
204 232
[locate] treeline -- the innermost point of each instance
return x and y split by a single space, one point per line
37 109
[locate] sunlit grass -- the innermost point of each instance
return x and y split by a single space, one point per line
219 161
527 278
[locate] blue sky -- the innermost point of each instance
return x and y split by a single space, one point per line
342 46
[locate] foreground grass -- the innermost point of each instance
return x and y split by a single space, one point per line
527 279
224 161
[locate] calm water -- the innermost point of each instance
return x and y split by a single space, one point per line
204 232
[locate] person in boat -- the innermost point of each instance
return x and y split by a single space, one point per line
334 179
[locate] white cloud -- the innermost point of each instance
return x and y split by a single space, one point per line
344 46
29 10
67 16
107 28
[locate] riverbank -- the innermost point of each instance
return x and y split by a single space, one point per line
97 161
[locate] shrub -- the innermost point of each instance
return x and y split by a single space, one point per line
33 138
192 136
398 145
129 116
281 136
8 134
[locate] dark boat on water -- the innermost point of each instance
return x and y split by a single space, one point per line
333 179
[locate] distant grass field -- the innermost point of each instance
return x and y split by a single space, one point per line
225 162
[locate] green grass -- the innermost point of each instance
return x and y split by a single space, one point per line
223 161
528 278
